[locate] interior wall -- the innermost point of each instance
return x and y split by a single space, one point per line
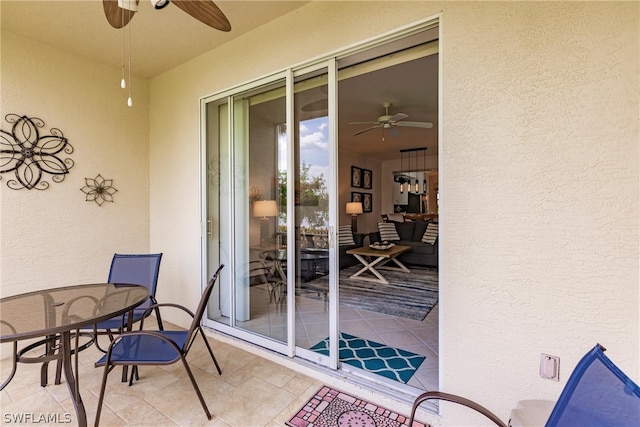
54 237
367 222
538 175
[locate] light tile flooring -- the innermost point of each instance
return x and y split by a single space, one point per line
420 337
252 391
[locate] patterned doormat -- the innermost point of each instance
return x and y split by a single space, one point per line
331 408
390 362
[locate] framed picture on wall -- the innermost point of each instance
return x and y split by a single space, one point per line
367 179
356 197
356 177
367 202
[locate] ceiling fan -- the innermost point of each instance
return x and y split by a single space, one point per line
120 12
390 122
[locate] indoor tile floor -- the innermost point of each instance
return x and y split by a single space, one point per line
420 337
251 391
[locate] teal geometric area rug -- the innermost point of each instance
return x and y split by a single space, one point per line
393 363
332 408
409 295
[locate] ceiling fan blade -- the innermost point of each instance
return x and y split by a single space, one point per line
206 12
398 116
117 17
425 125
367 129
319 105
365 123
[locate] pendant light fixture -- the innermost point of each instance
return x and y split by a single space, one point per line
417 186
401 171
129 100
424 165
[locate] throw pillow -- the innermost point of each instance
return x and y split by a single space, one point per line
388 231
405 230
345 236
431 234
421 227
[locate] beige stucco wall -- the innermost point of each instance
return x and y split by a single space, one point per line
538 177
54 237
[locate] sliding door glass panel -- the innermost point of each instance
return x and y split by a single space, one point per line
217 196
260 274
311 198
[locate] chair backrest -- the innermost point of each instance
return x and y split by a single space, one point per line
597 393
138 269
202 305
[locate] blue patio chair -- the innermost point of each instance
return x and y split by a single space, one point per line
138 269
160 347
597 393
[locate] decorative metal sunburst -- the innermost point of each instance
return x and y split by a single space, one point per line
28 155
98 190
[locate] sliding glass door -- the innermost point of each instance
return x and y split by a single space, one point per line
314 202
270 145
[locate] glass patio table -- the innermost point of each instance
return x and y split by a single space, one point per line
55 316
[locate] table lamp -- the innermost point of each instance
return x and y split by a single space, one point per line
355 209
264 209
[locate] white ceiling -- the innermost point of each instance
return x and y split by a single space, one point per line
163 39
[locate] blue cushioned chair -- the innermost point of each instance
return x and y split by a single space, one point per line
138 269
597 393
160 347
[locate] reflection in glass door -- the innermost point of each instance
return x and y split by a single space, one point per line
313 249
272 143
255 299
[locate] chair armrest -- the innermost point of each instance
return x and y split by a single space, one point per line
148 311
438 395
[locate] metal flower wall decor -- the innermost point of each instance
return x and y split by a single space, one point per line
98 190
29 155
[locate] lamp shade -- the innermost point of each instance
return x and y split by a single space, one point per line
265 208
354 208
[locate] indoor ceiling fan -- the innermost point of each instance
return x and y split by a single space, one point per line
120 12
390 122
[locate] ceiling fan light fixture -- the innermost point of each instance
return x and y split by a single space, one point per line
160 4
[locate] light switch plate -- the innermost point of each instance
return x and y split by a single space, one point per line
549 367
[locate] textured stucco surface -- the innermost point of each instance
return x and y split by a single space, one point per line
538 176
54 237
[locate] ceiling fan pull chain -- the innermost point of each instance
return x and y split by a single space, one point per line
123 83
129 100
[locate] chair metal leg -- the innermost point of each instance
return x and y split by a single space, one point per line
159 319
103 386
195 387
210 351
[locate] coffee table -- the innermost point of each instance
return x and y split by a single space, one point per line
379 259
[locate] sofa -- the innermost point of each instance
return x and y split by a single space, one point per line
411 233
